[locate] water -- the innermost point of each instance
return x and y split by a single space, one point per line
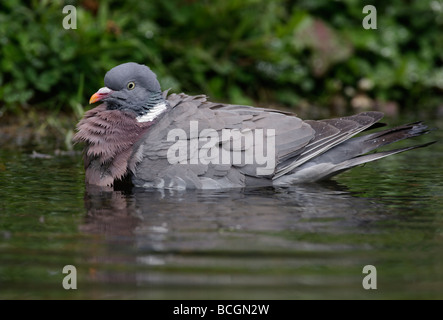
303 242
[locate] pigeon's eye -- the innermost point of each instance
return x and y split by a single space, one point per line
130 85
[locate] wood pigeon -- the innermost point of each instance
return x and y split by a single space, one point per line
177 141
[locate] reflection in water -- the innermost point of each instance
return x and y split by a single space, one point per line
143 212
108 212
202 238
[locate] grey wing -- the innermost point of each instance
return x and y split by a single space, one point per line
328 134
228 160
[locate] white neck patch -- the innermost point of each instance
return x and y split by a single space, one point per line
153 113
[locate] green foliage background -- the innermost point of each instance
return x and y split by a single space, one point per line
280 52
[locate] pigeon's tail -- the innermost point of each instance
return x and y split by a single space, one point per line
353 152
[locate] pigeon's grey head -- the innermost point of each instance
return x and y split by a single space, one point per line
130 87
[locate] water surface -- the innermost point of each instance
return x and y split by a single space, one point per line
303 242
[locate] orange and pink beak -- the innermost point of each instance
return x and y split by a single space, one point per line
100 94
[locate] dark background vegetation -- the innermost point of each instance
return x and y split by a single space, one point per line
311 56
